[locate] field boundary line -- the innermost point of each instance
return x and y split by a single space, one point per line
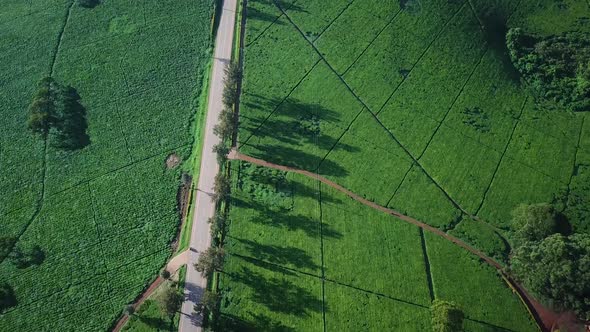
323 268
516 123
98 235
440 123
399 185
123 134
339 138
392 136
41 199
270 114
372 41
496 327
58 259
82 281
481 25
389 297
568 190
335 19
295 271
116 170
440 32
429 279
528 301
478 142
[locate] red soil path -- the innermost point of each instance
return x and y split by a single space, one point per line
546 319
173 265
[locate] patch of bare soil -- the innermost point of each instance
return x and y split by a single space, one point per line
172 161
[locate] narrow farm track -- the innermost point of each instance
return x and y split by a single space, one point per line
173 265
544 317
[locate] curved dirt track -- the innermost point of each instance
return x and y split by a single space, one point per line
173 265
544 317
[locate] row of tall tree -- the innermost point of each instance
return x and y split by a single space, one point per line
212 259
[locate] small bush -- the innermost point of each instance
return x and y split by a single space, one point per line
446 316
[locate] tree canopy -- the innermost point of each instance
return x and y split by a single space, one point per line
446 316
557 270
556 68
534 222
56 109
210 260
171 301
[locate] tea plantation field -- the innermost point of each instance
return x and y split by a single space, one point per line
414 105
302 256
103 215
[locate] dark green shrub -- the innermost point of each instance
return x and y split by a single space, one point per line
446 316
557 270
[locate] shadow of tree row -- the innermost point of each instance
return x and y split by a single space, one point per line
295 126
285 220
276 293
280 255
258 15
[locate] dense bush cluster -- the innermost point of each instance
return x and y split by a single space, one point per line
556 68
56 110
554 266
557 269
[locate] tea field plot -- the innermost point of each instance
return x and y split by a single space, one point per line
103 215
301 255
416 106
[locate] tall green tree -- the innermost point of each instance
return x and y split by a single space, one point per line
233 74
221 187
171 301
209 261
534 222
209 302
43 107
56 109
557 270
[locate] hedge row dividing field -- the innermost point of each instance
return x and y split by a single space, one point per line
301 255
103 215
416 106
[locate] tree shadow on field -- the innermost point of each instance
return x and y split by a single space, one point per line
495 27
280 255
277 293
156 323
291 130
72 130
256 14
88 3
284 220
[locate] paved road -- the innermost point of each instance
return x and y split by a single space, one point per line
204 205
